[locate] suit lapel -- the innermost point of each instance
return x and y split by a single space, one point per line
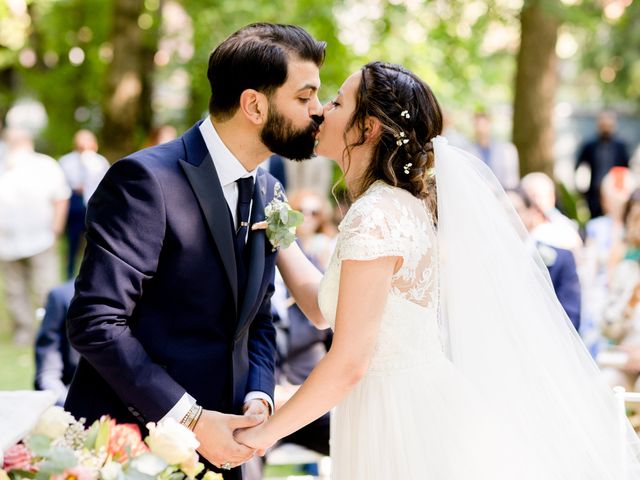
256 253
206 186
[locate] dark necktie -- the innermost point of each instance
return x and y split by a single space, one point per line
245 192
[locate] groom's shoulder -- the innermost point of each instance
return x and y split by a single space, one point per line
160 160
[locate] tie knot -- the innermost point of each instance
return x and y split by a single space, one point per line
245 189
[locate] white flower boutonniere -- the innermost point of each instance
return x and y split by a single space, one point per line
281 220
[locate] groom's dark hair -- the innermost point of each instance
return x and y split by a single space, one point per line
256 57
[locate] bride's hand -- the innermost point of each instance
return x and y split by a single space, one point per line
254 438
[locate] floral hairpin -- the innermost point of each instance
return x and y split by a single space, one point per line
406 168
401 138
405 114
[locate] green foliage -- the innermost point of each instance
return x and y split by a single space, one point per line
464 50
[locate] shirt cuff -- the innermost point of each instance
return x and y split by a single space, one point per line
181 408
260 396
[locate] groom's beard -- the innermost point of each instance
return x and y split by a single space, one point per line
282 138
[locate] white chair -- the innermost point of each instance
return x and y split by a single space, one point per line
624 398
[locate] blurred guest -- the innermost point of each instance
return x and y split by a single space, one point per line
453 136
601 154
275 166
56 360
558 231
621 314
34 199
314 174
501 157
161 134
83 168
560 262
601 236
317 233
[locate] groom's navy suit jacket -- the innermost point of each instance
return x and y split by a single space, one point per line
158 311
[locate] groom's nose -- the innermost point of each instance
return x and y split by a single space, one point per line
316 108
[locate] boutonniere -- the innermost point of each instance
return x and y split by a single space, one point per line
281 220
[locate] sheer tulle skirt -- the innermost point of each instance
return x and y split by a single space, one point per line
423 422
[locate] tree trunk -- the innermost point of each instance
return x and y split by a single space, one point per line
536 80
125 80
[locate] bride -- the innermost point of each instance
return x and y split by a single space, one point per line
452 358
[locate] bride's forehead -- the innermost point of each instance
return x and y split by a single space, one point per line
351 84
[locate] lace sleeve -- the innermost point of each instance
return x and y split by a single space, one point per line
375 227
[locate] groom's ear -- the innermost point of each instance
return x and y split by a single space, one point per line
254 106
372 129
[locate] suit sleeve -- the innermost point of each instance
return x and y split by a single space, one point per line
262 348
568 291
126 223
49 362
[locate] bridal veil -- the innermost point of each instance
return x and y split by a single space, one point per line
510 337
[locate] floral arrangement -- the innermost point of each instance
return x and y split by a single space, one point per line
60 448
281 220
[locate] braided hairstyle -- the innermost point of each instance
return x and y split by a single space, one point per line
410 117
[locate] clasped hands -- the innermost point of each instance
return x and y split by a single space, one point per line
231 440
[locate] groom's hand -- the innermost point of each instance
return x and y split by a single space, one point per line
215 430
257 407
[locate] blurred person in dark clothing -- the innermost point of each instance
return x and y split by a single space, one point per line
601 154
83 169
56 360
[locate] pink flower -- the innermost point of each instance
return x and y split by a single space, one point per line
18 457
77 473
123 436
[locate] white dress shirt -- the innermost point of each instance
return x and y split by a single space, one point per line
229 170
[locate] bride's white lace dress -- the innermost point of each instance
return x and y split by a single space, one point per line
413 416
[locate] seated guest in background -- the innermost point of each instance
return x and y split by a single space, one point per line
56 360
602 233
558 230
621 314
317 234
560 263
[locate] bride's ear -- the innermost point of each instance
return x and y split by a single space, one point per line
372 129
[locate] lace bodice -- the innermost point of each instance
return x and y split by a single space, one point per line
389 221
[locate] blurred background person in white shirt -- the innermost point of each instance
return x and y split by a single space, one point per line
34 199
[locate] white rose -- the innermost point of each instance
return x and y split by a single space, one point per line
171 441
149 464
111 471
53 423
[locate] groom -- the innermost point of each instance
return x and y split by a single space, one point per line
172 304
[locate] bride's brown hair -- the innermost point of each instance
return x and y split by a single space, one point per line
410 117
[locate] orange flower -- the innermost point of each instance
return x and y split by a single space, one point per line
123 436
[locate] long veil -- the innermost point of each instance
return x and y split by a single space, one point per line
510 337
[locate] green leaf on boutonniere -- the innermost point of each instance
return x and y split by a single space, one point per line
282 221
